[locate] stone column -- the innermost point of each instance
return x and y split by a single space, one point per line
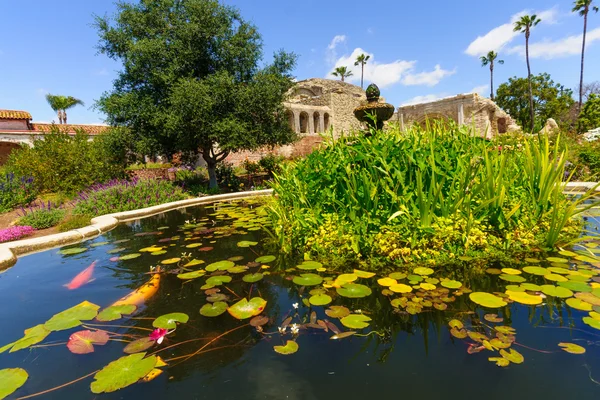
297 122
461 114
311 124
401 121
321 122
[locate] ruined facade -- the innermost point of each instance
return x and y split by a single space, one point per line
470 109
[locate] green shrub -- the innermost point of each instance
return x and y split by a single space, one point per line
15 191
41 216
588 157
193 181
227 176
590 114
74 222
120 195
271 163
150 165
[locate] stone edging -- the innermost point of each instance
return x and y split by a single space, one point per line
11 250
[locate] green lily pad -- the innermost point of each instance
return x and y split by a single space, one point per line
531 286
567 253
363 274
487 299
415 278
397 275
117 250
540 271
524 298
451 284
500 361
400 288
423 271
193 245
251 278
169 321
555 278
113 313
213 309
355 321
219 265
559 270
72 317
170 261
265 259
572 348
98 244
32 336
12 379
337 311
556 291
237 269
588 298
246 243
576 286
130 256
191 275
512 355
139 345
512 278
244 309
511 271
594 323
83 342
307 280
193 262
354 290
578 304
72 250
218 280
236 258
290 348
308 265
320 299
158 253
557 260
123 372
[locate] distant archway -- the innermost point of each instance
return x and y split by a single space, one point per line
326 121
431 120
501 125
303 122
316 122
5 149
291 122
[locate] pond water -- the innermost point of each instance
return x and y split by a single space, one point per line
406 350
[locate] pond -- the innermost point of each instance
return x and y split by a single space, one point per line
424 333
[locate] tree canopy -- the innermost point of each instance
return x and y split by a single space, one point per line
191 80
550 99
590 114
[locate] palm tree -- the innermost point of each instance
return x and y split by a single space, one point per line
342 72
489 59
60 104
524 25
362 60
583 7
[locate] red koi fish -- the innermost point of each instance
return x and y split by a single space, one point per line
82 278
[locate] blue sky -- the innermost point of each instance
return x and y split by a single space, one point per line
419 50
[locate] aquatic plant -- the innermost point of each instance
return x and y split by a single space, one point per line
15 232
424 195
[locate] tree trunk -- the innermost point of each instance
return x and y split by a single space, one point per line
342 77
492 80
212 175
59 116
531 114
582 56
362 73
212 160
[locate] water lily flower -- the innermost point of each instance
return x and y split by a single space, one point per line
282 329
295 305
187 221
294 328
158 335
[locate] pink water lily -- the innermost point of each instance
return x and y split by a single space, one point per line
158 335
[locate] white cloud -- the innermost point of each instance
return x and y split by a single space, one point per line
386 74
482 90
428 98
502 35
567 46
431 78
331 49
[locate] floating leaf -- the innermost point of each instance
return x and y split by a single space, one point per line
219 265
363 274
193 245
213 309
346 278
98 244
158 253
193 262
113 313
170 261
397 275
169 321
337 311
536 271
571 348
320 299
567 253
493 318
117 250
246 243
400 288
511 271
342 335
559 270
423 271
455 323
72 317
458 333
139 345
575 286
512 278
353 290
555 278
578 304
451 284
387 281
259 320
129 256
556 291
500 361
557 260
238 269
308 265
123 372
524 298
531 287
12 379
290 348
588 298
355 321
218 280
32 336
307 280
265 259
192 274
427 286
594 323
72 250
244 309
487 299
512 355
251 278
150 249
83 342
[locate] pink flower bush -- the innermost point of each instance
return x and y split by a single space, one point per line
15 232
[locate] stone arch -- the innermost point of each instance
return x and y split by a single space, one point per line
326 121
317 122
305 92
5 149
431 119
303 122
502 128
291 121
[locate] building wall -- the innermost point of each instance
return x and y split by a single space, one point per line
14 124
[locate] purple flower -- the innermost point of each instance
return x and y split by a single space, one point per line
15 232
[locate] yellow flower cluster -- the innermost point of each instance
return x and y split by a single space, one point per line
333 240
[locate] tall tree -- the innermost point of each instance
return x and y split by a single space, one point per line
583 7
524 25
361 60
489 59
191 80
60 105
342 72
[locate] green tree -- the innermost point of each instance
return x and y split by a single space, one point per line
524 25
489 59
550 99
342 72
60 105
361 60
191 80
583 7
589 118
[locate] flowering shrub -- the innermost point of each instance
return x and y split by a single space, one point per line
15 192
15 232
122 195
41 216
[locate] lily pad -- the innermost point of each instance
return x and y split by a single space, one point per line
12 379
540 271
512 355
246 243
169 321
139 345
83 342
363 274
123 372
117 250
400 288
251 278
512 278
356 321
290 348
524 298
72 317
557 260
500 361
353 290
337 311
219 265
397 275
588 298
129 256
346 278
237 269
387 281
451 284
309 265
259 320
511 271
427 286
193 262
244 309
218 280
191 275
576 286
72 250
213 309
556 291
307 279
572 348
113 313
171 261
32 336
320 299
423 271
594 323
578 304
493 318
98 244
487 299
555 278
265 259
531 286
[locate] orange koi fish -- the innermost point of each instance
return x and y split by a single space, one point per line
82 278
140 295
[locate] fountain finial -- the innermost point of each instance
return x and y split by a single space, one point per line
381 111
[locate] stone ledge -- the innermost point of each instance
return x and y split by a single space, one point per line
11 250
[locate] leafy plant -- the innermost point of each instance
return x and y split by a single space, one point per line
271 163
73 222
41 216
15 192
149 165
590 114
15 232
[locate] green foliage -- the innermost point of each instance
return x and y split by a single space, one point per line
66 163
42 218
590 114
423 195
149 165
192 80
227 177
192 181
117 196
73 222
550 99
271 163
15 191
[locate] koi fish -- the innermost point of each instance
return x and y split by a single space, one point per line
140 295
82 278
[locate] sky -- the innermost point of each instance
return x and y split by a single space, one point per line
420 51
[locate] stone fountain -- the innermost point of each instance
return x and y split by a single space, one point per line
381 111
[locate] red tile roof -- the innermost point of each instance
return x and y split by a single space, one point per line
70 128
14 114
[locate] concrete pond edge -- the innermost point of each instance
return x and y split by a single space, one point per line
10 251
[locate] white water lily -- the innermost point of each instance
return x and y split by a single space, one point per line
282 329
294 328
295 305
